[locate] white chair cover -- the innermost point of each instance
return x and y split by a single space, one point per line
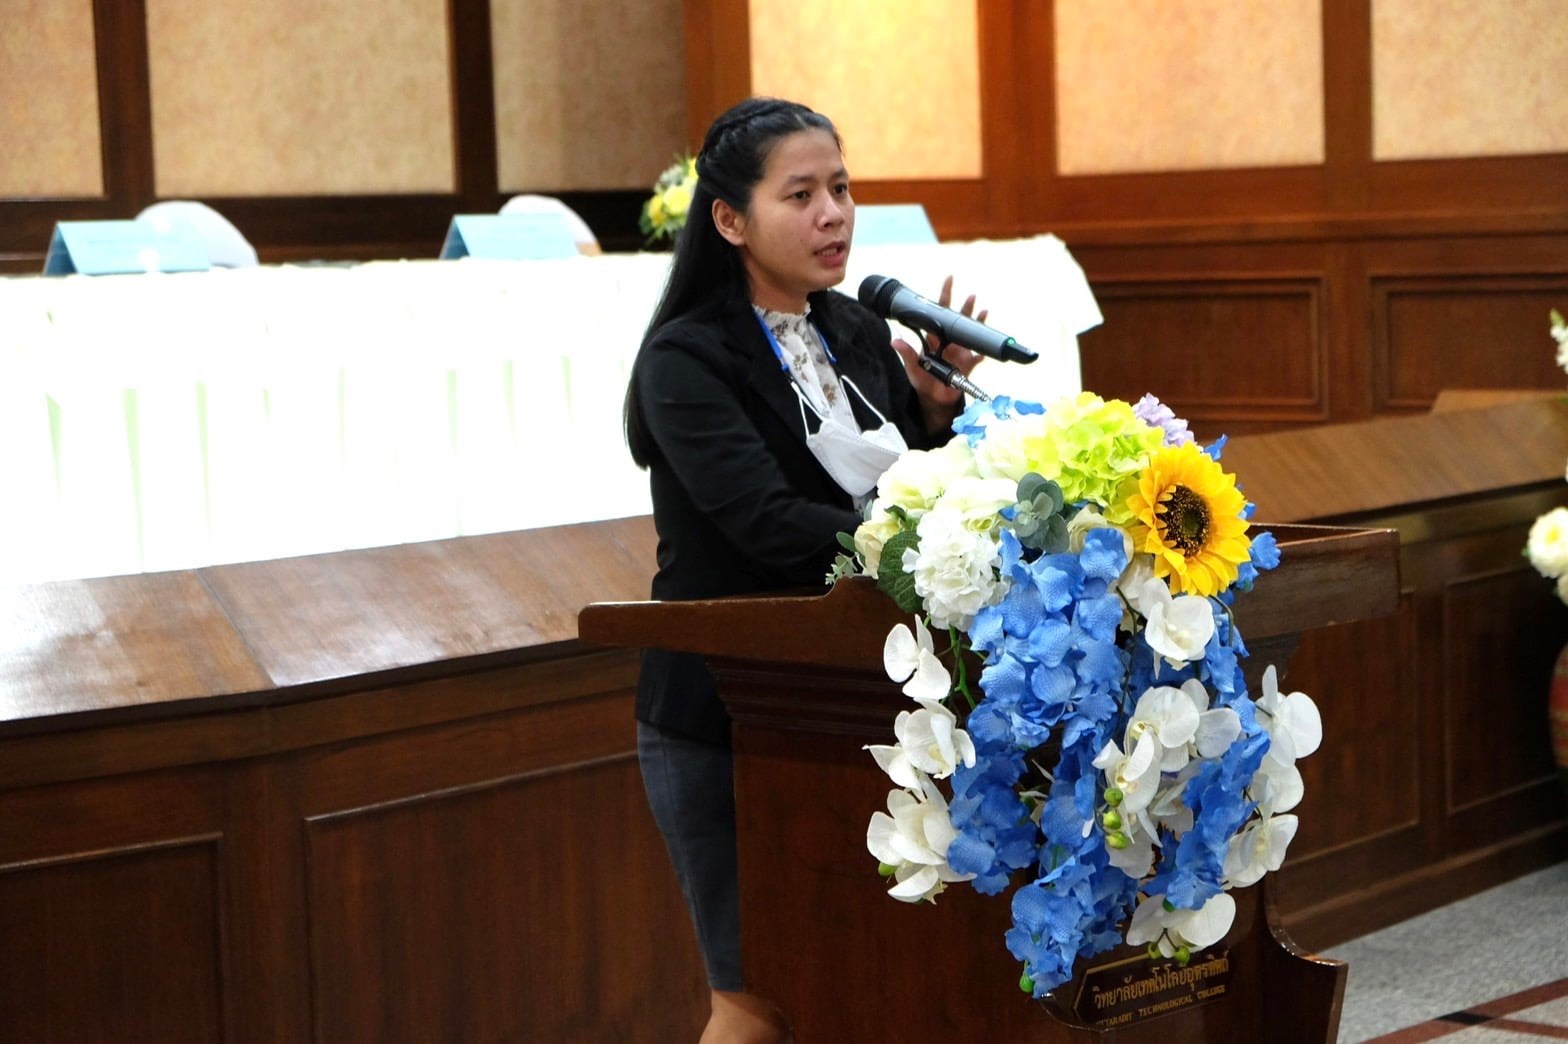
226 246
587 242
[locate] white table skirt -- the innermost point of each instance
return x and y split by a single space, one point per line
170 421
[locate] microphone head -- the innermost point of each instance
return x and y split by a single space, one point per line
876 293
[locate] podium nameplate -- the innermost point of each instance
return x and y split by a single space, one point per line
1135 988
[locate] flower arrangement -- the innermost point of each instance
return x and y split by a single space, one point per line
664 213
1111 772
1547 547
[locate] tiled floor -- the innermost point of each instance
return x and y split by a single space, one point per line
1457 960
1535 1014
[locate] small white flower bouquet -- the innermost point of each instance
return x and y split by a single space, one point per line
1547 547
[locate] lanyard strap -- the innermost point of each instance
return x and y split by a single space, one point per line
778 353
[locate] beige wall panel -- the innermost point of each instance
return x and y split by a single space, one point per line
900 79
1457 78
1151 85
49 143
589 94
298 97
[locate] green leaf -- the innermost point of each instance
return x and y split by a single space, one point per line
843 566
847 542
1030 486
1054 540
1053 495
891 578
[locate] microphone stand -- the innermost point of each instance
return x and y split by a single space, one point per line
945 371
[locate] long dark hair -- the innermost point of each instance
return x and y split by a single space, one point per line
706 271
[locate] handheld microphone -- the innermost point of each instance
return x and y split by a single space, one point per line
890 299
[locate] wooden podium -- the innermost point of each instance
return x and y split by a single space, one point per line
803 681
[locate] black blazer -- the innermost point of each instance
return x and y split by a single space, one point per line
739 502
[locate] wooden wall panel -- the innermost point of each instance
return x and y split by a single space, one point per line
433 904
1212 349
1379 698
461 857
136 930
1487 615
111 910
1449 787
446 913
1494 755
1469 330
1347 839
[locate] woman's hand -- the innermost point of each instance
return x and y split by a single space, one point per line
940 402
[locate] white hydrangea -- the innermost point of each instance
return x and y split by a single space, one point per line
954 568
1548 544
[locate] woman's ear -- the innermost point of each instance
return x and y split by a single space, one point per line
730 222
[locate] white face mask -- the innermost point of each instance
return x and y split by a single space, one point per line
854 459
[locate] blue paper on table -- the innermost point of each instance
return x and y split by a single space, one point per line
509 237
120 247
890 224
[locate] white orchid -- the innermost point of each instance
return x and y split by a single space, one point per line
1139 571
912 838
1136 773
911 658
1170 929
1179 627
1276 788
1171 717
929 741
1135 858
1258 849
1134 584
1292 721
1217 728
1168 807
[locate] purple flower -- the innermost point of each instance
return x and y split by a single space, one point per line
1156 414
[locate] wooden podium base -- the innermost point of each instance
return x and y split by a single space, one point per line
846 962
803 681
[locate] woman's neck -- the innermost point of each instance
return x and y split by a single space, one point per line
773 299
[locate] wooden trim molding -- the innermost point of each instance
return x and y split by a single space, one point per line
718 61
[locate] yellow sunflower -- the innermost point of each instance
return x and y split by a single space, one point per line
1187 513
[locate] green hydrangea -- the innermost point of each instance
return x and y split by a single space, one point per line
1101 446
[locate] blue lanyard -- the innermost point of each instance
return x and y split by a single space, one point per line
778 353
